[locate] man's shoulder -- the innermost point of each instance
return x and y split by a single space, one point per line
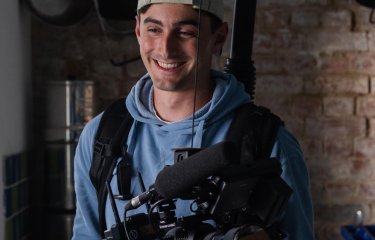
91 127
285 136
288 144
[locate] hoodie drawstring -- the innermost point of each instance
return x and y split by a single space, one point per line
198 136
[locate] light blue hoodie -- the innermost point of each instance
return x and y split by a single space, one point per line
150 148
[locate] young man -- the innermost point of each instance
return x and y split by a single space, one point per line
161 104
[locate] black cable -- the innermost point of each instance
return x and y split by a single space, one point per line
113 204
143 188
196 72
125 228
153 206
104 26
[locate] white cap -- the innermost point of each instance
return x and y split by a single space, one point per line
214 7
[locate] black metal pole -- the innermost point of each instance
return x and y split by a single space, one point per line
239 63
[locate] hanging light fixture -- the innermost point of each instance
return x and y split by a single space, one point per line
60 12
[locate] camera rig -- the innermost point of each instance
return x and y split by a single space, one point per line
237 202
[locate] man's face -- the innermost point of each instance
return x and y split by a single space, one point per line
167 35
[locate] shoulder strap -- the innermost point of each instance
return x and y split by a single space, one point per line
109 145
254 130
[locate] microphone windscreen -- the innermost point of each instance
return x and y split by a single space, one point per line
175 180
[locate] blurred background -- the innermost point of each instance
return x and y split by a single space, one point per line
315 67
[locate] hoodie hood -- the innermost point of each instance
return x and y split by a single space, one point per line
228 95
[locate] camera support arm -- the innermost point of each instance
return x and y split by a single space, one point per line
239 62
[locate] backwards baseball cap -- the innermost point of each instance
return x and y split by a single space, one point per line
214 7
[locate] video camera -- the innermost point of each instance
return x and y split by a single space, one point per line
227 201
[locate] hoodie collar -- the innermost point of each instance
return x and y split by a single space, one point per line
228 95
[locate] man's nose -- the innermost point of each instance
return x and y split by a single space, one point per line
168 45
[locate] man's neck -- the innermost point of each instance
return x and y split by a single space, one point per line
176 106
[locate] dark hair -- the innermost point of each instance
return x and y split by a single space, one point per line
215 21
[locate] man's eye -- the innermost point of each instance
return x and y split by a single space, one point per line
187 34
153 30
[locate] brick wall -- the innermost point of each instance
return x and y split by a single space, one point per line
315 63
316 67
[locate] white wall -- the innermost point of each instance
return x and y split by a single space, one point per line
15 84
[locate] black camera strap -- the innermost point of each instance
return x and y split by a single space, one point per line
109 146
254 130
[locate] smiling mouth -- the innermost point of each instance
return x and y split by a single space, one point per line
168 66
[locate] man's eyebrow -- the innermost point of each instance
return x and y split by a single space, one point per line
152 20
192 22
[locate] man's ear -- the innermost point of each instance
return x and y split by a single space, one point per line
137 26
220 37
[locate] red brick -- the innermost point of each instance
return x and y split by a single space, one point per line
299 64
285 3
371 41
262 42
366 106
329 168
267 63
334 63
362 17
305 2
350 127
339 19
288 40
283 39
320 2
367 190
372 82
279 84
361 169
343 3
305 18
362 62
337 85
312 147
365 147
305 105
338 106
334 148
339 168
328 41
271 17
371 130
339 192
293 64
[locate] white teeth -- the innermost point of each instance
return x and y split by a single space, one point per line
167 65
